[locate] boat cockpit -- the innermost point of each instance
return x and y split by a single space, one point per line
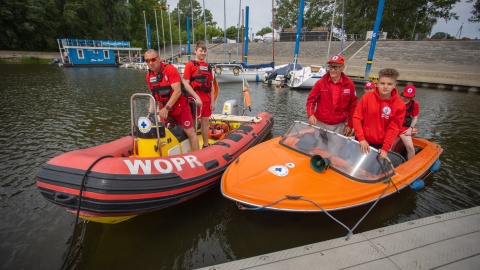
328 149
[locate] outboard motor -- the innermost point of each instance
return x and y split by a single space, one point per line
272 76
230 107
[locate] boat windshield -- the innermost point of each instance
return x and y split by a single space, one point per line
342 152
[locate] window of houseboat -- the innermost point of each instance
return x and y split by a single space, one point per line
106 54
80 54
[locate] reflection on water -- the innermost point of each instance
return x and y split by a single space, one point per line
49 110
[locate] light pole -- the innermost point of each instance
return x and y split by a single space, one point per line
146 32
170 25
156 24
415 24
163 33
205 24
179 29
193 23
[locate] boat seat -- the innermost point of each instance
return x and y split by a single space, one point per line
179 133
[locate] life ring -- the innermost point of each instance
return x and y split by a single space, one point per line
217 131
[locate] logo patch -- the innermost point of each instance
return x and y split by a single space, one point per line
386 111
278 170
144 124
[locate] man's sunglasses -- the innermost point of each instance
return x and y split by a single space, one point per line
153 60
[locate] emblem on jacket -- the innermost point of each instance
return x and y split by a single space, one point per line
386 111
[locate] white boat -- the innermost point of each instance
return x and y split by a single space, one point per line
277 75
305 77
252 73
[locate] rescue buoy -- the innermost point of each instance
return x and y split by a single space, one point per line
246 94
217 131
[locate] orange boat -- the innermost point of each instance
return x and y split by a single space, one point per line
311 169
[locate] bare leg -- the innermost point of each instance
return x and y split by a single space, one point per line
192 135
205 129
407 141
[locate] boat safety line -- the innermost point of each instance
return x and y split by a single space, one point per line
297 197
84 179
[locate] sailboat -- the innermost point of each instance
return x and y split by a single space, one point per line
304 77
251 73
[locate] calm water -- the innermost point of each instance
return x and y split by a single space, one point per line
47 110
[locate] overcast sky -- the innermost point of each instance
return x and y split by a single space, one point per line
261 15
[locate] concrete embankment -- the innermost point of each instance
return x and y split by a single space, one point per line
451 65
441 64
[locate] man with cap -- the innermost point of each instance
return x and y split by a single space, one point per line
412 109
332 100
164 82
369 86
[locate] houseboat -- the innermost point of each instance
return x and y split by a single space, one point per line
96 53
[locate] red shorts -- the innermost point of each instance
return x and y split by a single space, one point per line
184 118
206 101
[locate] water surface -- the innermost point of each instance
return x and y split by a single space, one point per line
46 111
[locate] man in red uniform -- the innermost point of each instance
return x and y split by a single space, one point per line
332 100
198 77
164 83
412 109
379 114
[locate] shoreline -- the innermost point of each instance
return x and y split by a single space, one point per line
423 63
16 56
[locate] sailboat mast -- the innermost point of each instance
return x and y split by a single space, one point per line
299 29
238 26
376 27
331 29
245 56
273 33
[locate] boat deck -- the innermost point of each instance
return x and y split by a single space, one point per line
446 241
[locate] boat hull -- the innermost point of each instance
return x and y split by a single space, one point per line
299 188
229 77
119 186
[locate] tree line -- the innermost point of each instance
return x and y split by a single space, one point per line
36 24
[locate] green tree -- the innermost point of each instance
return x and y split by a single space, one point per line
28 25
441 35
316 13
399 17
475 12
264 31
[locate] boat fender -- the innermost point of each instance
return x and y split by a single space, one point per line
64 198
319 164
417 184
436 166
247 98
217 131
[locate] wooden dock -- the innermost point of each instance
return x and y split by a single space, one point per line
446 241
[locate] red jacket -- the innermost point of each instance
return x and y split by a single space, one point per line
332 103
379 120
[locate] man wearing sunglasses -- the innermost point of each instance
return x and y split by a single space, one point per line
164 83
332 100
